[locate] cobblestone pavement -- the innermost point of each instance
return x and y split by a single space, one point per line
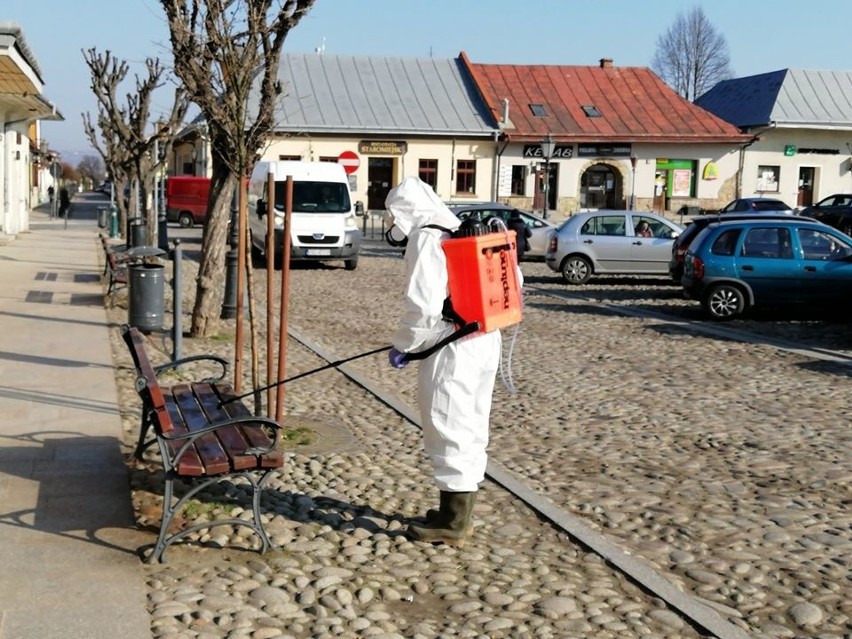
726 466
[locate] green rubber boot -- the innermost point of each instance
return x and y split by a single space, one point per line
451 525
433 517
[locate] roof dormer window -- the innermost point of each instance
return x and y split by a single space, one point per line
538 110
591 111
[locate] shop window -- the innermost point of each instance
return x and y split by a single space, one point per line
519 179
768 178
466 176
676 178
428 172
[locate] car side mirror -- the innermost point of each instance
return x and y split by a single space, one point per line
261 208
359 208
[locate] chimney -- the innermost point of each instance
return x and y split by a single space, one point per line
606 63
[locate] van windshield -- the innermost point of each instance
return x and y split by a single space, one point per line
314 197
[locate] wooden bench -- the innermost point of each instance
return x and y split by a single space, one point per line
202 438
115 266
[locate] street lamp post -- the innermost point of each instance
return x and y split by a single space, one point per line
229 303
547 148
633 183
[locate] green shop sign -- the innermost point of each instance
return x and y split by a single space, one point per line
789 150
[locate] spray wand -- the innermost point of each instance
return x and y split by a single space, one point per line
305 374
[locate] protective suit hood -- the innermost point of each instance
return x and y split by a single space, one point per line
412 204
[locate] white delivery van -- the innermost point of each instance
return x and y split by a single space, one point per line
324 225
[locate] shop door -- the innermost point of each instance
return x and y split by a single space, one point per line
806 186
552 195
598 188
379 182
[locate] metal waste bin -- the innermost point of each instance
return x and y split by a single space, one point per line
103 215
147 297
138 231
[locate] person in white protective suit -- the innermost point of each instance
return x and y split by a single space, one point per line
455 384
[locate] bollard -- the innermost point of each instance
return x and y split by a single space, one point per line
146 308
177 302
113 221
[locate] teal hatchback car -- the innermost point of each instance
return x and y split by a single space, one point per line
734 266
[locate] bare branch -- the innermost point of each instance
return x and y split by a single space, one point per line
691 55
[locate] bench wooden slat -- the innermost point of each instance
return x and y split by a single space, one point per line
233 439
208 447
190 463
244 436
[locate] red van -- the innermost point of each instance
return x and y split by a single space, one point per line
186 199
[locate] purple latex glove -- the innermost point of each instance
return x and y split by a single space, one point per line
397 359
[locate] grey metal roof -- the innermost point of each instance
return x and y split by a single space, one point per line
372 94
789 97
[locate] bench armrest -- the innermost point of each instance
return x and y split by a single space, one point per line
195 358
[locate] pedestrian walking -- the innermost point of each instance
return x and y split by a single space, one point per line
64 203
455 384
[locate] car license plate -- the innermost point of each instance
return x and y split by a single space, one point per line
317 252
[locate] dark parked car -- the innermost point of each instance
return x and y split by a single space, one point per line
698 224
756 205
835 210
733 266
541 229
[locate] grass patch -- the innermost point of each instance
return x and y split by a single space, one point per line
195 508
299 436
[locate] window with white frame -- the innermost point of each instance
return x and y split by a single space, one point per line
768 178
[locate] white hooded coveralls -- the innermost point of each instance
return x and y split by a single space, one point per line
456 383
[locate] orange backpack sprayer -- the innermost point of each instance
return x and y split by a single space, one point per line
483 279
482 275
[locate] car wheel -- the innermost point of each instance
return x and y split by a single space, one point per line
185 220
351 265
725 301
576 269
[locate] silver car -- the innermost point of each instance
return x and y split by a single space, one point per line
612 242
541 229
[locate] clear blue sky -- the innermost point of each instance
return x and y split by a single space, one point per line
762 36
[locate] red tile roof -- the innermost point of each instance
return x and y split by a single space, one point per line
635 104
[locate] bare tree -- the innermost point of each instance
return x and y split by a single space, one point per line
692 56
126 146
223 49
91 168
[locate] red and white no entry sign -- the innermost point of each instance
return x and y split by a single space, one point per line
350 161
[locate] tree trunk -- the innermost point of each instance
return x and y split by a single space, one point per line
210 285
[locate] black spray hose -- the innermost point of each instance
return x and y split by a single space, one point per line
467 329
305 374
